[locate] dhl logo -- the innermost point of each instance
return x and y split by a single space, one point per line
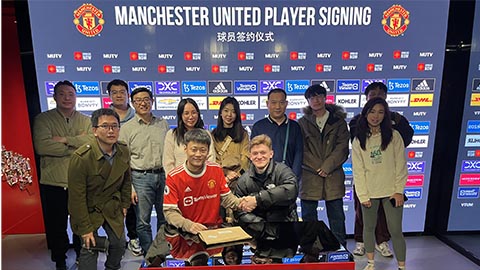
421 100
214 102
475 101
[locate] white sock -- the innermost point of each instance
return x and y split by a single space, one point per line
371 262
401 267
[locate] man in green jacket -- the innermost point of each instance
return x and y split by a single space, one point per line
99 190
57 133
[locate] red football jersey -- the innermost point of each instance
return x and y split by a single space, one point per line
197 196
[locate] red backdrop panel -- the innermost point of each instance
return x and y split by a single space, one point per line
21 210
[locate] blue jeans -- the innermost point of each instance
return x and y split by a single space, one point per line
335 214
116 249
149 188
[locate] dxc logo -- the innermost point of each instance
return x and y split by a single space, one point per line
266 86
471 166
416 166
165 86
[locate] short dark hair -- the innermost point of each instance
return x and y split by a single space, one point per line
104 111
376 85
116 82
60 83
315 90
139 90
198 135
277 90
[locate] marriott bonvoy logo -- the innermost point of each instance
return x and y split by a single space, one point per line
88 20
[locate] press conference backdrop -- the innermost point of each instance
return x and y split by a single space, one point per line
208 50
465 195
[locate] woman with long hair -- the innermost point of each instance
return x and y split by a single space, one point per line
230 140
380 173
188 118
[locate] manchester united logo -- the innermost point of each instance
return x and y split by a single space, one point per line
395 20
88 20
211 183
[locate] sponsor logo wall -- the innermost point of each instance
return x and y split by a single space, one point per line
209 50
465 200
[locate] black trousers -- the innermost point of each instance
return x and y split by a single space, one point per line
131 222
55 215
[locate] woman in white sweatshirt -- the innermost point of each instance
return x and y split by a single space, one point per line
380 173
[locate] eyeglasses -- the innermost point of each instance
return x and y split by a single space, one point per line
108 127
141 100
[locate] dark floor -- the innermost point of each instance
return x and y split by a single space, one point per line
423 252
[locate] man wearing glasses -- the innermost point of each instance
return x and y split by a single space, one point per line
118 93
99 191
286 135
145 136
57 133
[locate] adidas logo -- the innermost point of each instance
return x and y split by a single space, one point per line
220 89
478 87
423 86
325 85
188 189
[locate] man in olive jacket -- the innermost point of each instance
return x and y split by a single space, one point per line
325 137
99 190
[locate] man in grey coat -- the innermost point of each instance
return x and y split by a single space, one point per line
325 137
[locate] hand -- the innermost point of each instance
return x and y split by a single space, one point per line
197 227
248 203
124 211
134 197
87 239
60 139
322 173
231 175
367 204
398 199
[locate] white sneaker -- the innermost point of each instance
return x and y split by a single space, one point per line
369 267
134 247
384 249
359 249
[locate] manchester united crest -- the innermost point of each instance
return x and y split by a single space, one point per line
88 20
211 183
395 20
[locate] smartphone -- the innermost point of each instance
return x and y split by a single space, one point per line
393 202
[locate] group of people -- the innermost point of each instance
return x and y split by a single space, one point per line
122 162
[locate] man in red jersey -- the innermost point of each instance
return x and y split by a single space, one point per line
194 192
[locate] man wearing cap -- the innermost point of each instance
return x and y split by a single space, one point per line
325 137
